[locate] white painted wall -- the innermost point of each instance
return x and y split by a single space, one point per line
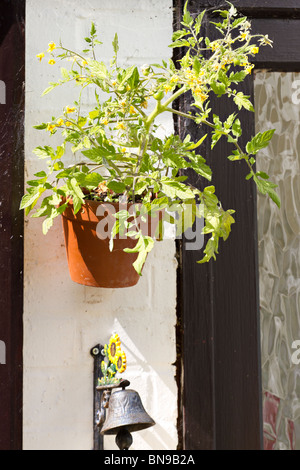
63 320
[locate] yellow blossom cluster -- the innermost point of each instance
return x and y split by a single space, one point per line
214 46
196 83
51 48
61 122
120 126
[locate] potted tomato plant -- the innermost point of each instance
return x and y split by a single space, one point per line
124 173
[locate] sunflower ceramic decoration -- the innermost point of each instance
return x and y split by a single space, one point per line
115 361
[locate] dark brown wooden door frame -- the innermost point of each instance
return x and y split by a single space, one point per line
12 73
220 402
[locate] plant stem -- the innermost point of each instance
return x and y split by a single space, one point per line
210 124
173 97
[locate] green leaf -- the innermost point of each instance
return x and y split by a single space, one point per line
117 186
222 77
28 200
47 224
44 152
199 166
76 193
229 121
267 187
134 79
274 196
180 43
237 128
260 141
179 34
65 73
187 18
238 76
40 174
215 138
226 222
173 160
197 65
174 189
97 68
263 175
89 181
242 101
96 155
41 127
143 247
131 76
210 250
218 88
236 156
94 114
238 22
50 88
93 29
198 21
115 44
193 146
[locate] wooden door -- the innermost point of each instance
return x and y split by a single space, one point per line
12 75
218 311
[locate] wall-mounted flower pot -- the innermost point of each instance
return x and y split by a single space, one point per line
87 237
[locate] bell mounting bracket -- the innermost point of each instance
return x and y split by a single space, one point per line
96 353
101 396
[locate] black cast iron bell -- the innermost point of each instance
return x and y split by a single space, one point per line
125 414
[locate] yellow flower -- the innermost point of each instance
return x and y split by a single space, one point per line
51 127
132 110
40 56
68 123
174 79
120 125
244 36
51 61
255 50
60 122
114 347
84 63
123 150
104 121
227 60
114 83
249 69
70 110
214 46
203 96
144 104
51 46
120 361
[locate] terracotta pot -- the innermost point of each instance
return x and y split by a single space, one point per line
87 237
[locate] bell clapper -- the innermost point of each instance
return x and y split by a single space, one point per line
124 439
